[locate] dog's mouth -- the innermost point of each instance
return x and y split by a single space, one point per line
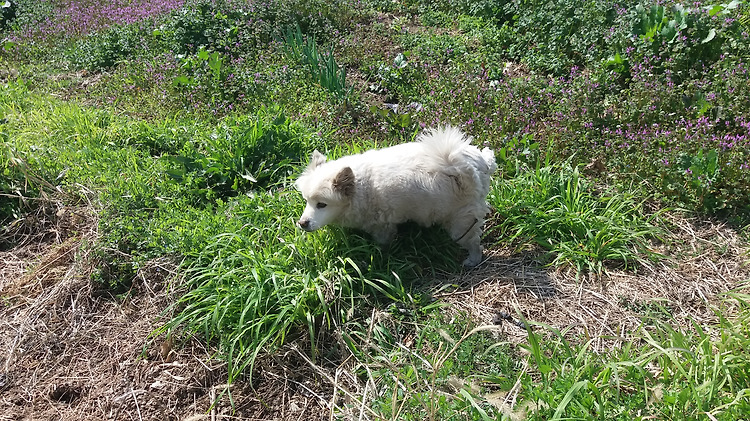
305 225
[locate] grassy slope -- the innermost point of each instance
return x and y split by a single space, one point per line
169 185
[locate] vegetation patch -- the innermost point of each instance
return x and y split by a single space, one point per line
148 153
557 209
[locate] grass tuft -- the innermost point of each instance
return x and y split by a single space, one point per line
556 208
660 371
322 67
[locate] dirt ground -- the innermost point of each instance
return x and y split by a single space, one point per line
69 351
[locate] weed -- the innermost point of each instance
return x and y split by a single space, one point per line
657 95
107 49
556 208
253 288
322 67
243 153
673 374
433 372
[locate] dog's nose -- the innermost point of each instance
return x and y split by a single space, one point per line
304 224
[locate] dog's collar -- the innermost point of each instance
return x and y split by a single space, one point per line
467 231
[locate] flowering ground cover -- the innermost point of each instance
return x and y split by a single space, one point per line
51 22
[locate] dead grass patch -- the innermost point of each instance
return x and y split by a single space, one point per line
71 353
705 260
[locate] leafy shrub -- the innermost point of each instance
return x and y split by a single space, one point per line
436 49
232 28
25 13
159 138
552 36
685 40
101 51
700 181
699 163
518 154
243 153
199 24
400 80
204 78
488 9
399 123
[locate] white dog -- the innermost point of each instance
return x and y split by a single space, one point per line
439 179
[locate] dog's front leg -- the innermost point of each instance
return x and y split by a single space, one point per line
468 233
384 234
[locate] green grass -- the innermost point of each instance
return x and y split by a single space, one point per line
252 289
200 119
657 371
556 208
418 368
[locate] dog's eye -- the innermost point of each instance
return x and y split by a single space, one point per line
321 205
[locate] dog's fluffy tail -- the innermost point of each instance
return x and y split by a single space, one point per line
450 147
489 158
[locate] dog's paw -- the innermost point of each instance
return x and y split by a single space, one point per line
472 261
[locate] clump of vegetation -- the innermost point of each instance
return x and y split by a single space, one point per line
556 208
672 373
322 68
241 155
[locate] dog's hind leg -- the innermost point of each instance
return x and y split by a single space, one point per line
467 232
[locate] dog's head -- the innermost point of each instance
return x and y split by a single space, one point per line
327 189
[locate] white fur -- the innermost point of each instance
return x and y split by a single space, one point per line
438 180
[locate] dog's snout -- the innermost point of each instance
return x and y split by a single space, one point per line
304 223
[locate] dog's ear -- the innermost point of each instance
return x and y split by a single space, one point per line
344 182
316 160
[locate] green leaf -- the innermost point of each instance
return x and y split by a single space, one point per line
615 59
400 61
710 36
568 398
714 9
713 159
476 406
404 120
545 369
176 174
249 178
181 81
